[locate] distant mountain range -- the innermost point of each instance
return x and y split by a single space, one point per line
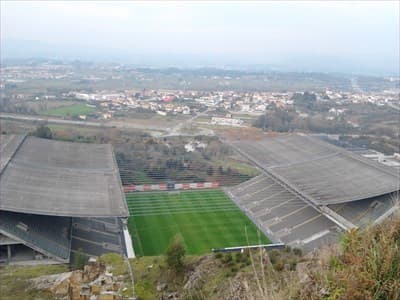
23 49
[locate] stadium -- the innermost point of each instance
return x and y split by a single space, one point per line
311 190
308 192
61 198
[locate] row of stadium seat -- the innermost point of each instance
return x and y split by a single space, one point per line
281 214
51 234
96 236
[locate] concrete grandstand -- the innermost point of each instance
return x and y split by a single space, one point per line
58 198
310 190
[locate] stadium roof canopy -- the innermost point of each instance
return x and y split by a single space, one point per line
321 172
48 177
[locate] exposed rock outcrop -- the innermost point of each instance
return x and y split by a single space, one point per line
95 282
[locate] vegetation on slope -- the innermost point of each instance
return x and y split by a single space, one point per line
367 267
364 265
15 281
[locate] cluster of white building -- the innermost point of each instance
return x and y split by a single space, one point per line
224 121
379 99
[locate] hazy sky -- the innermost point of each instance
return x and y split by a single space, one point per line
251 32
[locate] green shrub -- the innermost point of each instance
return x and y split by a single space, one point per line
231 263
79 260
227 258
274 256
176 254
297 251
292 265
279 265
238 257
43 132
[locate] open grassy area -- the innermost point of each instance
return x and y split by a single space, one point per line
70 110
15 281
206 219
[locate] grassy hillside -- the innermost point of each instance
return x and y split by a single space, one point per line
15 281
364 265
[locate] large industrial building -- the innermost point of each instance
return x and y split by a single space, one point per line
58 198
310 190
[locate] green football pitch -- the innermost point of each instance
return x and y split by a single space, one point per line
205 219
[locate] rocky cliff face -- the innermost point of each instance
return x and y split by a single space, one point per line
94 282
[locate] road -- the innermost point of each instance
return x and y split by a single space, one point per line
154 130
106 124
176 130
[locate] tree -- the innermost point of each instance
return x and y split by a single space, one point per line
176 254
220 170
210 171
305 100
43 132
79 260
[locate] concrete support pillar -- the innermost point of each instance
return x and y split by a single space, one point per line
9 253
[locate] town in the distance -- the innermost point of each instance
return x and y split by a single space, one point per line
204 98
